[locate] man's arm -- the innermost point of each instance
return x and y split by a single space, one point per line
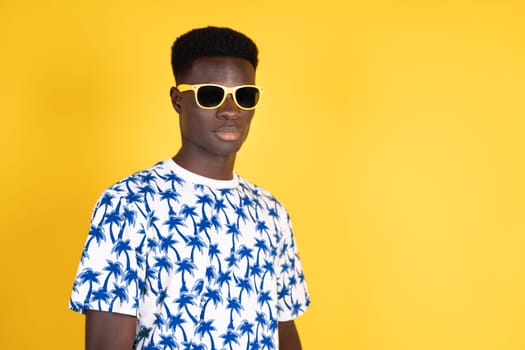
288 336
109 330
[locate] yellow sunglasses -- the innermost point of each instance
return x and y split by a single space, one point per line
211 96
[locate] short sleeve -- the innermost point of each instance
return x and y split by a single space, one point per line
110 269
292 291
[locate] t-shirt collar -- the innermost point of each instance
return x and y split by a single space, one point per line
201 180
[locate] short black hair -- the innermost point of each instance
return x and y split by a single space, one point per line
207 42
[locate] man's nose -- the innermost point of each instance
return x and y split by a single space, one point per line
229 110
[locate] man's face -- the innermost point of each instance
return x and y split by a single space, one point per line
216 132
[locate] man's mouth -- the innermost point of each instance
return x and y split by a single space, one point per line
228 133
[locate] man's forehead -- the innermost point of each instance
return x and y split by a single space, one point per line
218 68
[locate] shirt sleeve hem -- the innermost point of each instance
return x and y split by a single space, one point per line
78 307
289 317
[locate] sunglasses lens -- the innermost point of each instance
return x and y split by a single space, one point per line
247 96
210 96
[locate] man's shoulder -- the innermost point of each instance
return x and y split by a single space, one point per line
145 180
259 192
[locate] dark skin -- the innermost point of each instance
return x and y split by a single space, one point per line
210 142
211 138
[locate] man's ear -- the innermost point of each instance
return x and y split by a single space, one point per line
176 98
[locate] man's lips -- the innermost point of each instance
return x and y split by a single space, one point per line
228 133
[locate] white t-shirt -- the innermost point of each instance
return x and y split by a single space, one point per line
201 263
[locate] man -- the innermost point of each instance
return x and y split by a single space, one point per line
187 254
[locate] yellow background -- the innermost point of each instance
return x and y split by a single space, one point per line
392 130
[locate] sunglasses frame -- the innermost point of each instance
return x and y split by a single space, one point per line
227 91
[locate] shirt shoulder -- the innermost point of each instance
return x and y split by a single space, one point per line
256 190
140 180
264 197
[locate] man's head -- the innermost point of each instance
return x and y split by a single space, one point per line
215 95
210 42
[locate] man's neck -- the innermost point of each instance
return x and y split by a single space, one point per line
216 168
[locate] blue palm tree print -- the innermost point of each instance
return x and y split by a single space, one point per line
201 263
